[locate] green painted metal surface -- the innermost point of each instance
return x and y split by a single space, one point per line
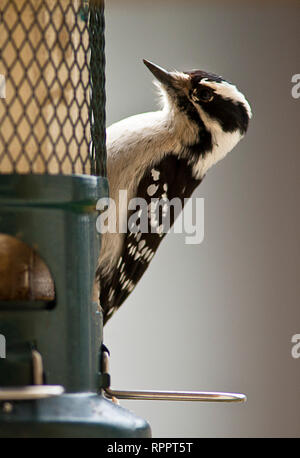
72 415
56 216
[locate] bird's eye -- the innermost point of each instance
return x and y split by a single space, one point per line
205 95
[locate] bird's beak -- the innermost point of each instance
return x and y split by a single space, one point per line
161 74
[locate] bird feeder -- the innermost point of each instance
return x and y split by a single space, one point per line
53 365
52 173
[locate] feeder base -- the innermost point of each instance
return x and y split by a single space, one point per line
70 415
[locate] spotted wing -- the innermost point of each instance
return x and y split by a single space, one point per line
171 178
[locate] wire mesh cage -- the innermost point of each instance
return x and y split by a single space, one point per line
52 106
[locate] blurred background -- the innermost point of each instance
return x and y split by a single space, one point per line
220 315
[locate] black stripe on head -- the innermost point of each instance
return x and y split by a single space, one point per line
204 141
203 144
198 75
185 105
231 115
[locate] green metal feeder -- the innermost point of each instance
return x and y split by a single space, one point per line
52 173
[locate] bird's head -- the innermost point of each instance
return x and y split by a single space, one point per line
205 97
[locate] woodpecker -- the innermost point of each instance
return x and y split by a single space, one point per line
163 155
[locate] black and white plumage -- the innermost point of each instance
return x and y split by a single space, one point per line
162 155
